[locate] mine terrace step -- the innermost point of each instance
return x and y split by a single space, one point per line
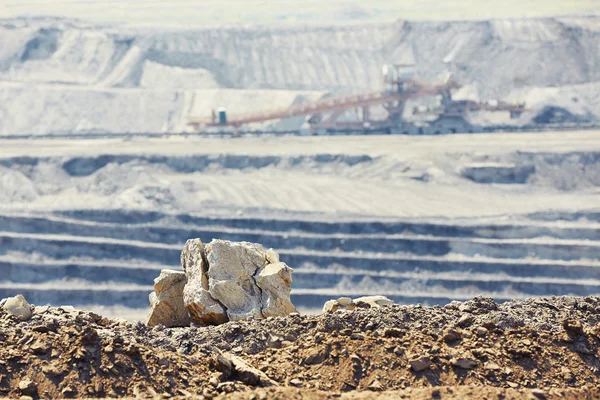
28 273
500 229
496 248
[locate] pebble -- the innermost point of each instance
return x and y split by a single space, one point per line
465 321
465 363
344 301
481 331
420 364
27 387
393 332
296 382
492 366
226 387
39 310
375 386
451 335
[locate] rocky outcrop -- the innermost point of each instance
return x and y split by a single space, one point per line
346 303
166 301
228 281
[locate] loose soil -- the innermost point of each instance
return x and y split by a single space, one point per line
537 348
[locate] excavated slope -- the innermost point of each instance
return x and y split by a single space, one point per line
71 76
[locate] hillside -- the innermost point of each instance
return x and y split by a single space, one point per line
74 76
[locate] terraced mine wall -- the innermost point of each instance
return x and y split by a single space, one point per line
420 220
109 258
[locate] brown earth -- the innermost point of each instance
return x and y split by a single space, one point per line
538 348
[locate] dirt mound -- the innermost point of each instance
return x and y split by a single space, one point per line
535 348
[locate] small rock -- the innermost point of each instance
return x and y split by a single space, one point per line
481 331
331 306
226 387
373 301
375 386
163 362
18 307
465 321
540 394
40 310
512 384
464 363
344 301
492 366
319 337
214 380
572 326
582 348
393 332
420 364
28 388
40 347
296 382
68 391
227 363
357 336
316 356
451 335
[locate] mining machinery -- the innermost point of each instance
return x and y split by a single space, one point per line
400 87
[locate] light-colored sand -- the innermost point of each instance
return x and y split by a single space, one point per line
393 176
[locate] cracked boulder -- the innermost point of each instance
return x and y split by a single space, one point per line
228 281
166 301
196 296
275 281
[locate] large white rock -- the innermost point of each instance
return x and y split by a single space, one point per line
196 297
18 306
231 277
228 281
275 281
167 304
